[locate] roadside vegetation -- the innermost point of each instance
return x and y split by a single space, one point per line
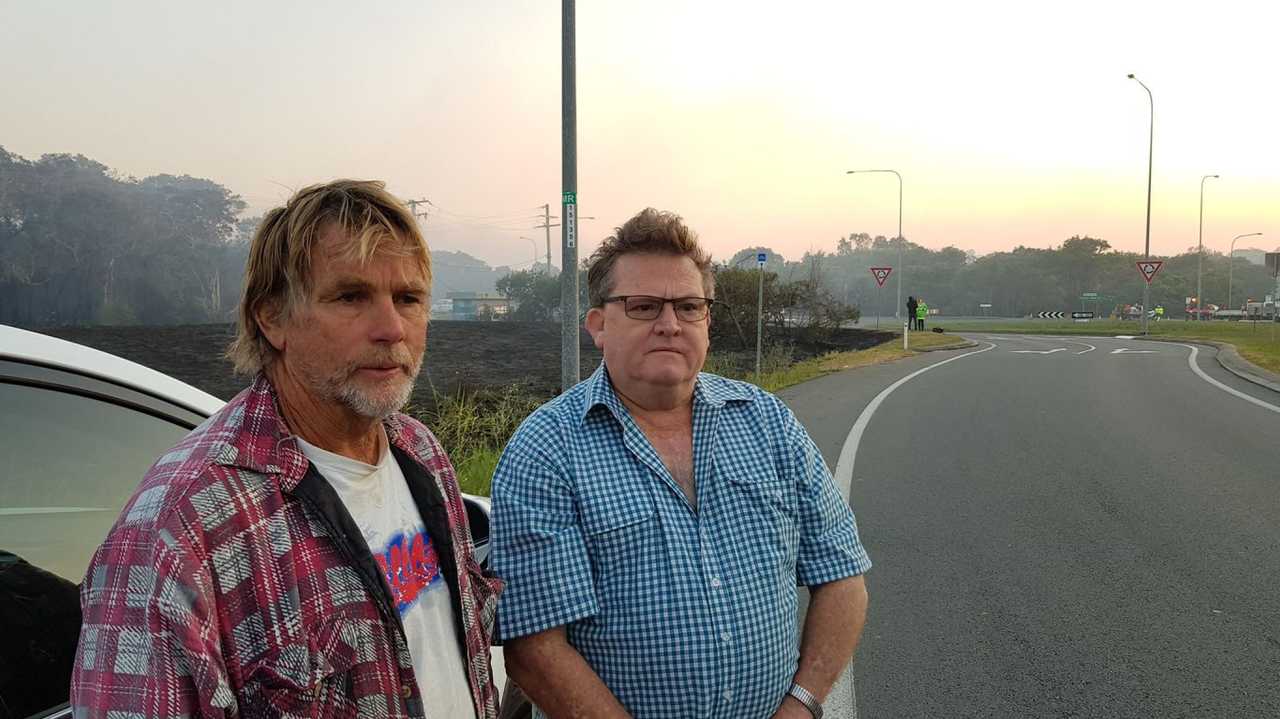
1257 342
474 426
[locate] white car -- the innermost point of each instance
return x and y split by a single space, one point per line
78 430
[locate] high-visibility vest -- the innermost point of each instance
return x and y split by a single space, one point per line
922 311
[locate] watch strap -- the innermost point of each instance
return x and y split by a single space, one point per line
805 697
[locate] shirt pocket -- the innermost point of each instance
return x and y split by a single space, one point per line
762 510
623 543
309 675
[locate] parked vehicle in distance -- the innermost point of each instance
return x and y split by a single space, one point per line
78 430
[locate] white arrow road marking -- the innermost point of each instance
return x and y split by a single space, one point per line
1123 351
1086 344
1039 352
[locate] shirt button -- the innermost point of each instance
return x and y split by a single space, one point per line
724 637
728 695
715 582
406 691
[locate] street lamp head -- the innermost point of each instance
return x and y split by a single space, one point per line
1131 77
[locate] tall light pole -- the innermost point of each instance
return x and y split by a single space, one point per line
1151 145
569 355
1231 263
901 270
535 251
1200 252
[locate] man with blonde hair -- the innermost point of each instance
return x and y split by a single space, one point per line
305 551
652 522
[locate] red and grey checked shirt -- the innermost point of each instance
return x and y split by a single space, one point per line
234 583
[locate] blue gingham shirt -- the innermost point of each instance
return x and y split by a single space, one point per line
680 613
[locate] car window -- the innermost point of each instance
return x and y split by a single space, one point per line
68 463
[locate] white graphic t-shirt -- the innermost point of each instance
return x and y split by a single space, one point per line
380 503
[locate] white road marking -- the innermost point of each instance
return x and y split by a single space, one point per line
1086 344
849 452
1123 351
1191 360
1038 352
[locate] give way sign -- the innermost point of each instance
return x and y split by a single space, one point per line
881 274
1149 268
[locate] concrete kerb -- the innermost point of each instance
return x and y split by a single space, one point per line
1231 361
958 346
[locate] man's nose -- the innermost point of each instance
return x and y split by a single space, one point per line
385 323
667 323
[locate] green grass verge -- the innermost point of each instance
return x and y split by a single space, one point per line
475 470
1259 343
775 378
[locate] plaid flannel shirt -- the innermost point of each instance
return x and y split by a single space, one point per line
234 583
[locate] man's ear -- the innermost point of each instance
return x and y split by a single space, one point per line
595 326
271 322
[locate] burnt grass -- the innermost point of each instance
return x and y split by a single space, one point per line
461 356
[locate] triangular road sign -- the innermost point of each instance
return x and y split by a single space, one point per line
1149 268
881 274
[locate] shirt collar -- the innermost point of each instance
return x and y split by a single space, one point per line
709 389
254 435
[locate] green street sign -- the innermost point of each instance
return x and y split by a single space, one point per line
570 198
1089 296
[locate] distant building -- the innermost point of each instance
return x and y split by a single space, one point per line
478 306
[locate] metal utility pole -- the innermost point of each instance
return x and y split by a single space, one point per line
546 224
569 372
1200 253
900 268
413 207
1151 145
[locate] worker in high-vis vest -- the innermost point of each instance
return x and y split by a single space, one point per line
1159 312
922 311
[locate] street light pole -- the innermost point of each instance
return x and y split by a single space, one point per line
1231 264
901 270
1151 145
1200 253
534 266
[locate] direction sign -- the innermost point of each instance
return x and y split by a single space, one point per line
881 274
1149 268
1081 315
985 305
1089 295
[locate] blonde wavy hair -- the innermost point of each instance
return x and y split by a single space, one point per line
278 277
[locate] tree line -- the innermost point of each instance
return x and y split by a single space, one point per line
1017 283
82 244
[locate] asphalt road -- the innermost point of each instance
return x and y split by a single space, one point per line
1059 531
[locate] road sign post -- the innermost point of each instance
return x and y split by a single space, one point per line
761 258
881 274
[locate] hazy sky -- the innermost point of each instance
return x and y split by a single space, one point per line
1011 122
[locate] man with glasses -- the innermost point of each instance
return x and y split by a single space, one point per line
652 522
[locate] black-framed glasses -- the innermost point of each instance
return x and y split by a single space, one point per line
645 307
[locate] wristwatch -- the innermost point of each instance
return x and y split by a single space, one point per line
809 701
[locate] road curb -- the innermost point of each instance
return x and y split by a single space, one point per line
960 346
1231 361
